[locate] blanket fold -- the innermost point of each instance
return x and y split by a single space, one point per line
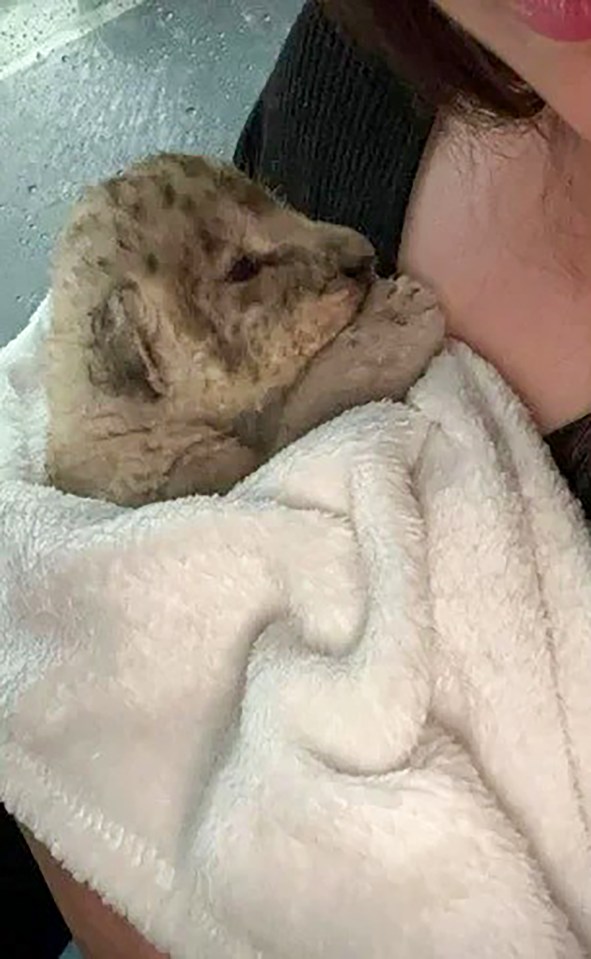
341 712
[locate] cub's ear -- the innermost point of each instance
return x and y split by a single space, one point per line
125 357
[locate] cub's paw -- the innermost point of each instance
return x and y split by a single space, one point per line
404 300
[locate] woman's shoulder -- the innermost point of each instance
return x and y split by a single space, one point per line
337 132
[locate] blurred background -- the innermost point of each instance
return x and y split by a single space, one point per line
88 85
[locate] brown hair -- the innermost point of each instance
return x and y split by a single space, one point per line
446 65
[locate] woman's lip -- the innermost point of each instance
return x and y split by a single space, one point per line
566 20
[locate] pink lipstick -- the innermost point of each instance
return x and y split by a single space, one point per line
566 20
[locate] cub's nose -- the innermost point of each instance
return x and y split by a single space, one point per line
359 267
354 254
346 250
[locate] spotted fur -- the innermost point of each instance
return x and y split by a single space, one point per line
189 307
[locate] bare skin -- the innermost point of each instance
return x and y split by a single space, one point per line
98 931
500 222
509 254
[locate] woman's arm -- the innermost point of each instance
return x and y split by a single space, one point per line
97 930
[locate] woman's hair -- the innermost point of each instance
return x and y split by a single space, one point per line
444 63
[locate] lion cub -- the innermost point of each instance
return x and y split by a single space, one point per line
199 326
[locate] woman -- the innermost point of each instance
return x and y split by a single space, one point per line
485 197
484 194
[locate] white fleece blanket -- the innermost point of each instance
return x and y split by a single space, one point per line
342 713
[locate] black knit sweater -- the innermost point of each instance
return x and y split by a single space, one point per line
338 134
341 137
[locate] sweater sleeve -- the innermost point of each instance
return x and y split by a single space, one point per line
337 133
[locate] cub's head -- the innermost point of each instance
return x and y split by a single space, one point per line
186 300
201 287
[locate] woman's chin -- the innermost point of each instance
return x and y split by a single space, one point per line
570 96
561 74
558 67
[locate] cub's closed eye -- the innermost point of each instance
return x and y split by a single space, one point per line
244 269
